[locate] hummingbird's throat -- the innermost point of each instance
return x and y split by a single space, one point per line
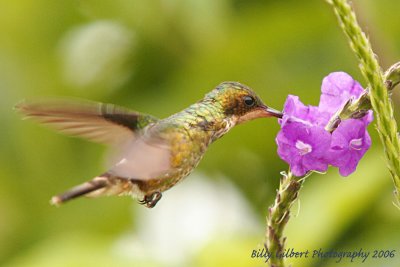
224 127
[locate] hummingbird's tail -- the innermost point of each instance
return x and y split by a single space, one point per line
102 185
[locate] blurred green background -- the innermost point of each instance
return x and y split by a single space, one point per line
159 57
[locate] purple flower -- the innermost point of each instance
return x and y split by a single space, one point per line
349 143
303 141
303 147
295 110
337 88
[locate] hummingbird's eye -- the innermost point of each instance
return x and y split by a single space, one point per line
249 101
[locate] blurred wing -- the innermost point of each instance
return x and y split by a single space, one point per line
98 122
143 159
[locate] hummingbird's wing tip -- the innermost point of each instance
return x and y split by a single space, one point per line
20 105
23 108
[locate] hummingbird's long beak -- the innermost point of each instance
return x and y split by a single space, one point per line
272 112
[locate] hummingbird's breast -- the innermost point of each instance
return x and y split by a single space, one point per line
188 135
195 128
186 148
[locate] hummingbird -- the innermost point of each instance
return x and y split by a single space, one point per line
152 154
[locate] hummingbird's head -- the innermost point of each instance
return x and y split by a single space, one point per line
240 102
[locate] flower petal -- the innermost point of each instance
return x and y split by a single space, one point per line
337 88
344 153
292 141
295 110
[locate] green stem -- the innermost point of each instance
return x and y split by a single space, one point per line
278 216
379 95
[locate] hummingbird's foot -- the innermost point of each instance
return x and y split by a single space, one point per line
151 200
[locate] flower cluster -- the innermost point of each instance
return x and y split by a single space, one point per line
303 141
